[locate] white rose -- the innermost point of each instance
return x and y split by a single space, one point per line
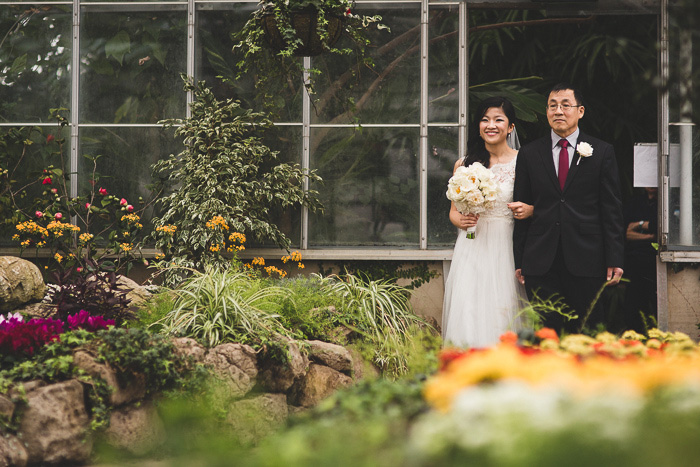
475 198
584 149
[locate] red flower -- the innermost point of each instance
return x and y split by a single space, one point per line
54 190
129 208
123 202
58 216
102 191
87 206
47 181
50 138
38 214
547 333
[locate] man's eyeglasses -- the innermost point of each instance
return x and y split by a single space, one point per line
564 107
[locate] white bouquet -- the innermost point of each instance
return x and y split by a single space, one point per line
473 189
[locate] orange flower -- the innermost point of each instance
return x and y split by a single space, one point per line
547 333
509 337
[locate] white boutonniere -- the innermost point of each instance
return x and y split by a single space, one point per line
584 150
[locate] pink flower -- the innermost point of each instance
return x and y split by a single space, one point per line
79 269
50 138
129 208
38 214
54 190
58 216
102 191
87 206
123 202
47 181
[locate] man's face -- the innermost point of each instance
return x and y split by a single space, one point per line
563 112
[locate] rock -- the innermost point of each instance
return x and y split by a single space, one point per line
331 355
124 390
279 377
7 408
361 368
318 383
189 348
253 419
20 282
135 428
21 389
36 310
12 452
137 295
235 364
55 423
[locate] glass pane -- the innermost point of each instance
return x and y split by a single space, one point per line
288 141
441 161
35 55
131 66
388 93
124 165
443 75
684 156
684 190
216 23
370 187
26 153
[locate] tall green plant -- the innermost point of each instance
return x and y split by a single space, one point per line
224 305
225 170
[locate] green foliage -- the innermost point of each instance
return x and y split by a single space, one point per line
273 67
154 310
226 305
381 313
41 207
225 170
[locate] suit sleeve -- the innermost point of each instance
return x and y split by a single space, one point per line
522 191
611 213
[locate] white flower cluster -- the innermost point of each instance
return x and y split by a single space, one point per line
16 317
473 189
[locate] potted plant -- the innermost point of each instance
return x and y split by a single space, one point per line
281 31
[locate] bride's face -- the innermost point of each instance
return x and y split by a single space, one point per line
494 126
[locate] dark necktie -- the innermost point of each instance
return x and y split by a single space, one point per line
563 162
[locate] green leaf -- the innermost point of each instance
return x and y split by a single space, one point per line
118 46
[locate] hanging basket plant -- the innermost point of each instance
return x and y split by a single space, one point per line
281 31
313 33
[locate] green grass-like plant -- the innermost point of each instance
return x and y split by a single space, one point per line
226 305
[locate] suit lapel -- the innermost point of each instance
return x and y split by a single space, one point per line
548 160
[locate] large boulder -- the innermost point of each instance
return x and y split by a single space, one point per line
12 452
318 383
253 419
136 428
55 423
137 295
235 364
189 349
331 355
124 390
276 376
20 282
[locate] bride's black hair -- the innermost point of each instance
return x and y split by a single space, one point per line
476 149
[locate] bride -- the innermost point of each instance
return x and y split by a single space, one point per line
482 295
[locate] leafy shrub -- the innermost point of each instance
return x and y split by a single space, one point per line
226 305
94 290
391 271
224 171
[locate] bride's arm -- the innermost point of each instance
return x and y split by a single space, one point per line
521 210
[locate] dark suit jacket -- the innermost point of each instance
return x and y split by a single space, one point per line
586 217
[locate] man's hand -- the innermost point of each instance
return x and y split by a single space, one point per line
519 276
614 275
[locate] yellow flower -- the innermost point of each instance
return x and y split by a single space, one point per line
58 257
126 247
85 237
167 229
215 247
301 266
236 237
258 261
217 222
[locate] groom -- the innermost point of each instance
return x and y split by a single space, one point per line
574 241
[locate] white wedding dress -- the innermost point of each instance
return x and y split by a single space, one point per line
482 296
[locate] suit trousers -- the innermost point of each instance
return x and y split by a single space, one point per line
576 292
